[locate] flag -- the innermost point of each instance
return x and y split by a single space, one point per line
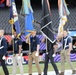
63 12
29 19
14 18
1 1
46 27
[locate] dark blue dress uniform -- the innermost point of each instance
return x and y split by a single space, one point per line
48 56
2 53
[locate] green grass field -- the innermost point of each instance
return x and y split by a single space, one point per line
50 68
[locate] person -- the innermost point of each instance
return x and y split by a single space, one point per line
50 53
17 54
74 46
34 53
3 50
58 44
65 53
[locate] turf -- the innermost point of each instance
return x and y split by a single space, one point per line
50 68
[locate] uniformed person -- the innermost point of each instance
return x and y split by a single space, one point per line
65 53
50 53
3 50
17 54
34 53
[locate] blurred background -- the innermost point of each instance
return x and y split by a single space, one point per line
36 5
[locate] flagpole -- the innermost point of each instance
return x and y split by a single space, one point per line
46 47
12 35
29 46
11 21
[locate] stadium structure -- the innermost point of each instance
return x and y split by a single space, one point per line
36 5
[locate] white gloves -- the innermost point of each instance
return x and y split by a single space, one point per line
19 57
4 57
12 36
36 54
53 55
1 47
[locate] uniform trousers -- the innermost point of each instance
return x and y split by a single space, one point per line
18 61
47 58
32 57
4 65
65 57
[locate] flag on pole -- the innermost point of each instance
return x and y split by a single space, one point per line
63 12
46 27
28 13
14 18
